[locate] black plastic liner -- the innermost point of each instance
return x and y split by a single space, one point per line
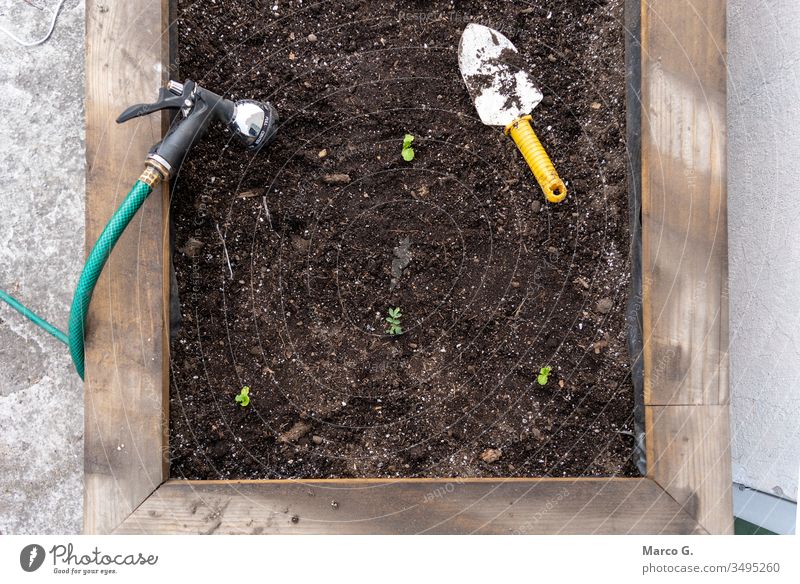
633 312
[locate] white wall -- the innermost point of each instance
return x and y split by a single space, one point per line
764 239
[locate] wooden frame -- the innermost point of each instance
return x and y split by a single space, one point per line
684 309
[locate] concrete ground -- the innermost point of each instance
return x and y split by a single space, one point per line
41 251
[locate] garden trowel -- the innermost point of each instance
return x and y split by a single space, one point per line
504 95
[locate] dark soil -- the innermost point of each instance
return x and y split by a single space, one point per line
493 282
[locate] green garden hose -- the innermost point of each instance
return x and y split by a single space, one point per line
33 317
253 123
94 266
91 271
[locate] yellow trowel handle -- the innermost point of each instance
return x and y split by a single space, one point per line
537 159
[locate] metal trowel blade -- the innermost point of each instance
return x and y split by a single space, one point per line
494 74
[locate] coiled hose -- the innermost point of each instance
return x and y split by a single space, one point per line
91 272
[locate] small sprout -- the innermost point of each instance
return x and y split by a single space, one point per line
394 322
408 151
544 373
244 397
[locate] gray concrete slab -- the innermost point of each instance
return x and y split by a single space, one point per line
41 251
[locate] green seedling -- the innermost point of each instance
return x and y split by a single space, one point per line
408 151
244 397
544 373
394 322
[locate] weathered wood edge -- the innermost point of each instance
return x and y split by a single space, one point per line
684 209
689 457
684 216
411 506
123 394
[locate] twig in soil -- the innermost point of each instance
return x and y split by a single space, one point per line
269 217
225 249
521 304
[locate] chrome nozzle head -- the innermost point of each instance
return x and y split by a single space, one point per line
254 123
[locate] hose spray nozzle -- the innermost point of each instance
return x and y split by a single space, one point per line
253 123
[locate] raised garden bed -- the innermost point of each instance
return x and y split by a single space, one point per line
493 282
683 303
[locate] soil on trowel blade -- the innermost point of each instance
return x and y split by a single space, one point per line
288 261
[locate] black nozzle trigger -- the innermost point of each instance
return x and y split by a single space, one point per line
166 100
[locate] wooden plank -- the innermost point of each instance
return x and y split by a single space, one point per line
684 246
446 506
124 393
684 217
689 456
